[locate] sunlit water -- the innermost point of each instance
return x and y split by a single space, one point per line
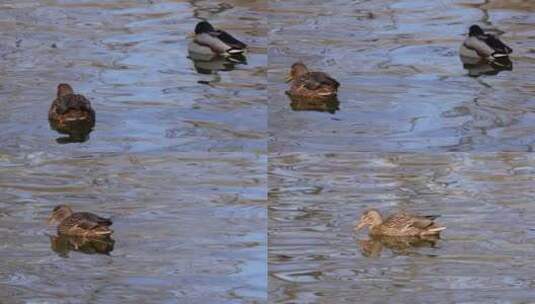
130 59
486 254
188 229
403 86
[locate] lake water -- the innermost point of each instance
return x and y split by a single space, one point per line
130 59
403 86
484 256
188 228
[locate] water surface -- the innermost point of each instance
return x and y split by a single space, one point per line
189 228
403 86
130 59
486 254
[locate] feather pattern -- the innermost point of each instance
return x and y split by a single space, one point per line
311 85
400 224
219 41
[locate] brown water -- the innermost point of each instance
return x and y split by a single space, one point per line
486 255
188 229
403 86
130 59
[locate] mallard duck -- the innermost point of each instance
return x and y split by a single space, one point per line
71 113
483 46
209 41
310 85
79 223
399 224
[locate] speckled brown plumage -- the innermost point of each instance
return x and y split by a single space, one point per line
311 85
399 224
71 113
80 223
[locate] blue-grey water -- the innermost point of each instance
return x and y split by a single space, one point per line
189 228
486 254
403 86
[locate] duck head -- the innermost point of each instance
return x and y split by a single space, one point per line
64 89
59 213
298 69
203 27
370 218
475 30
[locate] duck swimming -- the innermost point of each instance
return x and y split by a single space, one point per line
483 46
210 41
71 113
399 224
80 223
310 85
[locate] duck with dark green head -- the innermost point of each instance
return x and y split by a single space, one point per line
211 41
483 46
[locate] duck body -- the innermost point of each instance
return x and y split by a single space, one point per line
399 225
209 41
71 113
83 224
479 45
311 85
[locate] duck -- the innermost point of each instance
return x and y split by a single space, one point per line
71 113
213 42
308 85
84 224
486 47
399 224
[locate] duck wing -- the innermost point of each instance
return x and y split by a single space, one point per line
228 39
496 44
315 80
91 219
72 102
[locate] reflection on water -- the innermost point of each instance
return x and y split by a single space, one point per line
63 244
330 106
130 58
485 256
477 68
399 245
399 69
188 228
214 65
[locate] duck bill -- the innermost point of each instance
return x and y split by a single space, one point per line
50 220
288 78
360 226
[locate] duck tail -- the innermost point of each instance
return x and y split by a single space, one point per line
432 231
235 51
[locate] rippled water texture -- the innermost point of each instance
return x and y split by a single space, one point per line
188 229
486 255
130 59
403 84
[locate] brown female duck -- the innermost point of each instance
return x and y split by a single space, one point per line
310 85
71 112
80 223
399 224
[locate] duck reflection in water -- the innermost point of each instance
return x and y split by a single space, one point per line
71 114
215 64
302 104
374 246
63 244
477 68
